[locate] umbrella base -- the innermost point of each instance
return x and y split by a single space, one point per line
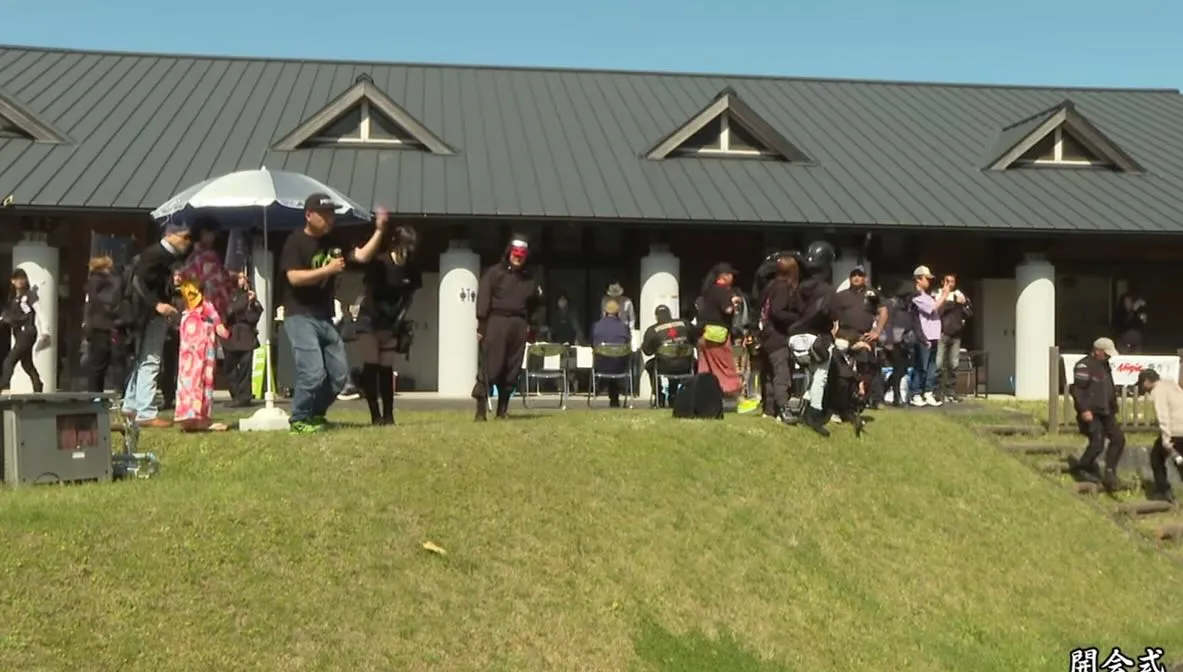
267 419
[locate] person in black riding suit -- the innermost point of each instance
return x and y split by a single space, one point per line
21 317
779 309
811 337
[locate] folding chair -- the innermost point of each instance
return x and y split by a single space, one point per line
667 352
615 351
544 351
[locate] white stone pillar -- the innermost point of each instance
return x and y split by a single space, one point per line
1035 326
460 271
660 271
39 260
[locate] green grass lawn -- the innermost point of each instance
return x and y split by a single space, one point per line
586 541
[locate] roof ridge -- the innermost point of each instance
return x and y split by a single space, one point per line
588 70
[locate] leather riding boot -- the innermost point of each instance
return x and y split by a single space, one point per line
816 420
502 403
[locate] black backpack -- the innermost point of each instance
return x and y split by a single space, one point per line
701 397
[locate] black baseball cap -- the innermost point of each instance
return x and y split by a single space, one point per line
319 203
1147 375
725 267
858 270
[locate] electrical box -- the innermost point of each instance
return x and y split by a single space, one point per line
55 438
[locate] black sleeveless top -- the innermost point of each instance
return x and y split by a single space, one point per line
388 288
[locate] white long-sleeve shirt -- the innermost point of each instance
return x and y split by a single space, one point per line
1168 408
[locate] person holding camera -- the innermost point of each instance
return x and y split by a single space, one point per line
310 262
389 282
1168 409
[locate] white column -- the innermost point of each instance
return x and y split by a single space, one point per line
39 260
460 270
1035 326
659 287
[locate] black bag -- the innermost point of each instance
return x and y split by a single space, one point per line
700 397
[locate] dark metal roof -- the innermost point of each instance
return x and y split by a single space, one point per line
571 144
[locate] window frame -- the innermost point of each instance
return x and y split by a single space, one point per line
364 137
724 148
1058 155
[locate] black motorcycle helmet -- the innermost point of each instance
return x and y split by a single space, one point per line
819 256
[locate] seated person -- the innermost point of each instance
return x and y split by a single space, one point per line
667 331
611 330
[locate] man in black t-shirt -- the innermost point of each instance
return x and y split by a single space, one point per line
310 263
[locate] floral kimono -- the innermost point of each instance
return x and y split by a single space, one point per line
205 268
201 326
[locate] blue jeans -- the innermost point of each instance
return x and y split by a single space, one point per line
140 395
924 369
321 370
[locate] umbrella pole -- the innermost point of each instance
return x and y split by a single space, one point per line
269 387
270 418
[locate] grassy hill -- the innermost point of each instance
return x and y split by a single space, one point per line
583 541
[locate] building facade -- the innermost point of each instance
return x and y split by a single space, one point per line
1046 202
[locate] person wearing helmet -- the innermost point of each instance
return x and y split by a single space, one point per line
811 337
507 295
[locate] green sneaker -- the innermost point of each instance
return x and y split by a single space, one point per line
306 427
320 420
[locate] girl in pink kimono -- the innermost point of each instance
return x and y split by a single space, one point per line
206 296
201 326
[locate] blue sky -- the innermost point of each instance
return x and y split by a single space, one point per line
1080 43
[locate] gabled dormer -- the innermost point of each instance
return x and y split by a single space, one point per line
727 128
18 121
364 116
1058 137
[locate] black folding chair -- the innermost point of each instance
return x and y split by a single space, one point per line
670 352
543 351
612 351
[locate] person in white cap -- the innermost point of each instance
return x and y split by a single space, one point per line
1095 398
928 336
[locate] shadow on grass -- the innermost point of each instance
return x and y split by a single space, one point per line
659 650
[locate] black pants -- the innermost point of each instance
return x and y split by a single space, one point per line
898 356
239 365
21 353
105 353
502 352
1101 428
776 376
1158 463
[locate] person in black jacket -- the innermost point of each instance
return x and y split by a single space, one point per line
242 321
1129 323
21 317
1095 397
779 309
390 282
667 331
145 312
507 296
811 338
104 346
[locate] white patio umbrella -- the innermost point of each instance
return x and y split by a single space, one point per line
265 199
